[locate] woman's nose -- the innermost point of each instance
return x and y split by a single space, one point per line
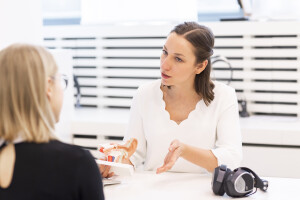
165 64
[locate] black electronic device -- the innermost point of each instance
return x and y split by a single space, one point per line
240 182
78 94
244 112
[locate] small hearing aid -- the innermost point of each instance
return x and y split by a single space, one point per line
237 183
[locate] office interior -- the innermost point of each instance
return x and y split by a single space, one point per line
109 48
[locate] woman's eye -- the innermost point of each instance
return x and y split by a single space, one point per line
165 52
178 59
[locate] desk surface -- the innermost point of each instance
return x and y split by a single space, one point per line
187 186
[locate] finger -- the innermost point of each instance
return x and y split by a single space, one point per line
106 171
170 158
110 174
160 170
104 174
101 168
167 158
167 166
163 169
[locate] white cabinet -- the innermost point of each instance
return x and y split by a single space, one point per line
272 161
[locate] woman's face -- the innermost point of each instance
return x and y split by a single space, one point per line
178 62
55 94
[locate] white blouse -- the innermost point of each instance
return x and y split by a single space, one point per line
215 127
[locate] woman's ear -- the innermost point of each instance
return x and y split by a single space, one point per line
49 91
201 66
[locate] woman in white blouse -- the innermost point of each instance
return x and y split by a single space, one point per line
184 122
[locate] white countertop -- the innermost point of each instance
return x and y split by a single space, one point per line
187 186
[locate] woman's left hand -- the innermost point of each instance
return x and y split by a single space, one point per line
175 151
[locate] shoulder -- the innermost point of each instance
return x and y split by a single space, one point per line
55 154
146 98
224 95
68 151
79 167
223 90
149 90
149 87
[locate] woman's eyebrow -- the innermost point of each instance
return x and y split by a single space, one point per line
178 54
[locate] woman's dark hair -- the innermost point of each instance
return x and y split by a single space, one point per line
202 39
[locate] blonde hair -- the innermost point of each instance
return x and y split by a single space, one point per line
25 109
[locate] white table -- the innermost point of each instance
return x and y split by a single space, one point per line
187 186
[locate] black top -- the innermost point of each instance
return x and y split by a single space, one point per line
55 171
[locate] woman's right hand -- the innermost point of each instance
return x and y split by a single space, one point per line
105 171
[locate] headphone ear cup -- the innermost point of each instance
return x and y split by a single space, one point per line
219 179
226 185
239 183
216 182
222 190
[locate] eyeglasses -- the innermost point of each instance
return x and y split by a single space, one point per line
63 81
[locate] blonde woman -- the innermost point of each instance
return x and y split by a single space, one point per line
33 163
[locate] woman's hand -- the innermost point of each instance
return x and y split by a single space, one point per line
175 151
129 147
104 170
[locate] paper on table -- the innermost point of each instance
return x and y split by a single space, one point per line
109 181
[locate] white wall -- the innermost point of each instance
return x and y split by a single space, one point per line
20 21
102 11
63 127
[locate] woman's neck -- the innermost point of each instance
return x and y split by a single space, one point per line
177 92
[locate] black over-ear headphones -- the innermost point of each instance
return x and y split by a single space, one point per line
237 183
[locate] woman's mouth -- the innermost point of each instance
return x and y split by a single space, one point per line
165 76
